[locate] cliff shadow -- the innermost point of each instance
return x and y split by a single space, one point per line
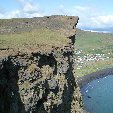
10 101
67 96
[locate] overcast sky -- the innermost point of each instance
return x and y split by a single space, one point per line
92 13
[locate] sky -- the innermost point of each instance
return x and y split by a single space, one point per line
91 13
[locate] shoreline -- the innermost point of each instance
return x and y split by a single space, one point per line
81 81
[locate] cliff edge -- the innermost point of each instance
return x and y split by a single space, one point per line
36 66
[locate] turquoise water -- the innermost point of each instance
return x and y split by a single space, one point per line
98 95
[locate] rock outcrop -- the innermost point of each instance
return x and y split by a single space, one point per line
40 80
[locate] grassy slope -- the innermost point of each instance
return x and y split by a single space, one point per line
32 31
94 43
39 36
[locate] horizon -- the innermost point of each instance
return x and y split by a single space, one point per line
92 14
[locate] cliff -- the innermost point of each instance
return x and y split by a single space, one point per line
36 74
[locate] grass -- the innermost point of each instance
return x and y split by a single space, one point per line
39 36
93 67
94 43
86 40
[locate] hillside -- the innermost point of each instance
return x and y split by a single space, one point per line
94 51
31 34
32 31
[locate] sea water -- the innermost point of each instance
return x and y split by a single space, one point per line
98 95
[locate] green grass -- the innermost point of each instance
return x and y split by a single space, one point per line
88 40
39 36
94 43
93 67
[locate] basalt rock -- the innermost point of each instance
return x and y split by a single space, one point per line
41 81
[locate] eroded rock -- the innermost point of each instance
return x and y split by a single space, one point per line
41 81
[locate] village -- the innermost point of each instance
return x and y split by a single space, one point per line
81 59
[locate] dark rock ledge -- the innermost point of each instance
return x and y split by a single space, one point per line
96 75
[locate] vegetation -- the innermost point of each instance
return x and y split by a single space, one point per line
39 36
95 52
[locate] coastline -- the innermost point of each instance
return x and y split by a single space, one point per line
81 81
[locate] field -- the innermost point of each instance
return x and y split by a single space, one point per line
48 30
32 38
93 52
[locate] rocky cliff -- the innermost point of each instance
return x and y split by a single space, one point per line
39 79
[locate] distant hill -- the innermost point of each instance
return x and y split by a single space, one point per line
104 30
88 40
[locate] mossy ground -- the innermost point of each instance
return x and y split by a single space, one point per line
34 37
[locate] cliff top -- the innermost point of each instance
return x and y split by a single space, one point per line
36 33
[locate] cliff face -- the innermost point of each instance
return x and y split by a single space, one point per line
41 80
